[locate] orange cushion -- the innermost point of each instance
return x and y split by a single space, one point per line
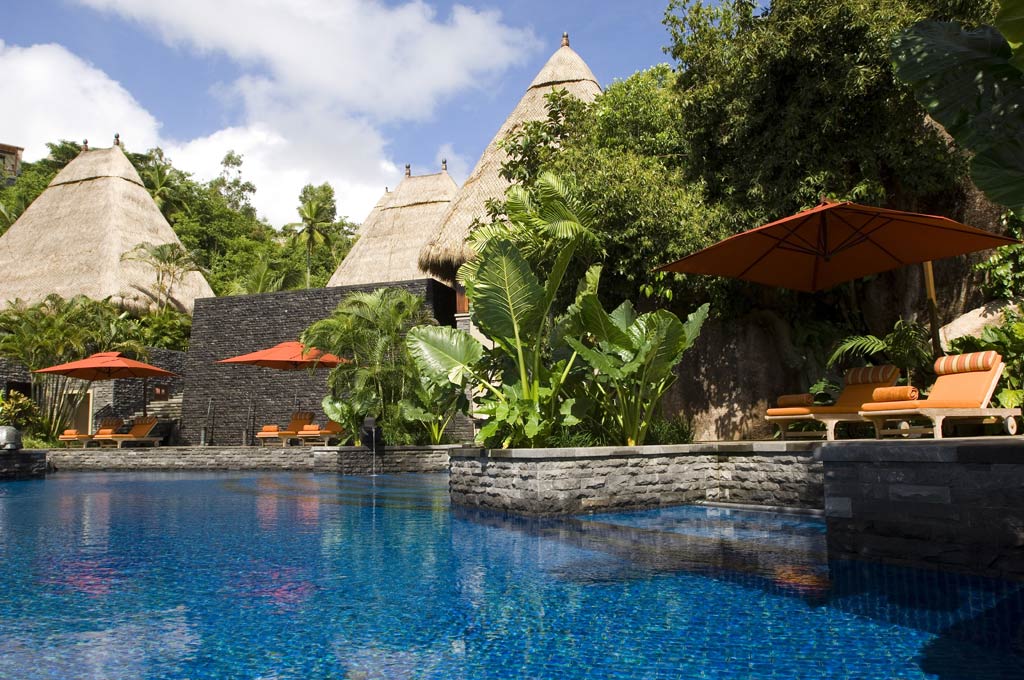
311 428
70 433
965 363
105 431
902 393
810 410
917 405
885 374
270 428
795 400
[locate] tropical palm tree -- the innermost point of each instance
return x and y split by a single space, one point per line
907 347
312 229
266 277
171 262
56 331
369 330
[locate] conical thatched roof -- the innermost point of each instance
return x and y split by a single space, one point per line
70 241
395 231
446 252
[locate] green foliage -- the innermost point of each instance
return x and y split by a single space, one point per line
369 329
316 226
170 263
633 358
907 346
970 80
663 430
529 383
1004 269
800 101
169 329
33 179
17 410
57 331
1008 339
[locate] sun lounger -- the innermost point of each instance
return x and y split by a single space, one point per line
859 384
962 393
138 434
313 434
107 426
270 433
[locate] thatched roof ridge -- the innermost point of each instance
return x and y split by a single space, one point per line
446 252
391 237
71 239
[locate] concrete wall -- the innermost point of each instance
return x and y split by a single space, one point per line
953 503
22 464
228 399
343 460
554 481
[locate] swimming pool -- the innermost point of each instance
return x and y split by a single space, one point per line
248 575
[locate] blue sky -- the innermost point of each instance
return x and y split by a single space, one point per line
346 91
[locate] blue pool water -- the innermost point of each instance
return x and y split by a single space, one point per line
177 575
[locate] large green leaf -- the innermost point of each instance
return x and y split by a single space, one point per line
600 324
506 295
664 341
444 353
1010 22
966 81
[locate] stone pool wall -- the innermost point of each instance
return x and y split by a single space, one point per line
343 460
569 480
22 464
951 503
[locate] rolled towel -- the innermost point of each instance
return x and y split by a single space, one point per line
70 433
271 428
898 393
311 428
787 400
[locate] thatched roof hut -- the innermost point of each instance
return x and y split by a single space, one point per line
446 252
71 240
395 231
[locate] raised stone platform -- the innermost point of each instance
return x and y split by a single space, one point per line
570 480
351 460
22 464
954 503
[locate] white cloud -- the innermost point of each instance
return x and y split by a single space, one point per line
389 62
56 95
320 79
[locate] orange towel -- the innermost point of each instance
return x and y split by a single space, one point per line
270 428
901 393
789 400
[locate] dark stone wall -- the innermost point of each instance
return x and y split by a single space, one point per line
953 503
22 464
226 400
125 397
13 375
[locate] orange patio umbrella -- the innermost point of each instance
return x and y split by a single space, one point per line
287 356
109 366
833 243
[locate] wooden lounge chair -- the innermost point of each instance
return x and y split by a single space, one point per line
270 433
962 392
139 434
107 426
313 434
859 383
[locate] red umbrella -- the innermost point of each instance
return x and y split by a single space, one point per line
833 243
287 356
109 366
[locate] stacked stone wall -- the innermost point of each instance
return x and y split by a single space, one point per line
224 403
953 503
22 464
557 481
344 460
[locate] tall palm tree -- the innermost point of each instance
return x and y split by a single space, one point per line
369 329
266 277
171 262
312 229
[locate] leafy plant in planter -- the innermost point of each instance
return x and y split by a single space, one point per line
632 358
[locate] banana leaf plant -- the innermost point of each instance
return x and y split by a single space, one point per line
518 385
632 358
432 404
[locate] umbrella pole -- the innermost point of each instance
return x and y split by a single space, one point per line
145 395
933 308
